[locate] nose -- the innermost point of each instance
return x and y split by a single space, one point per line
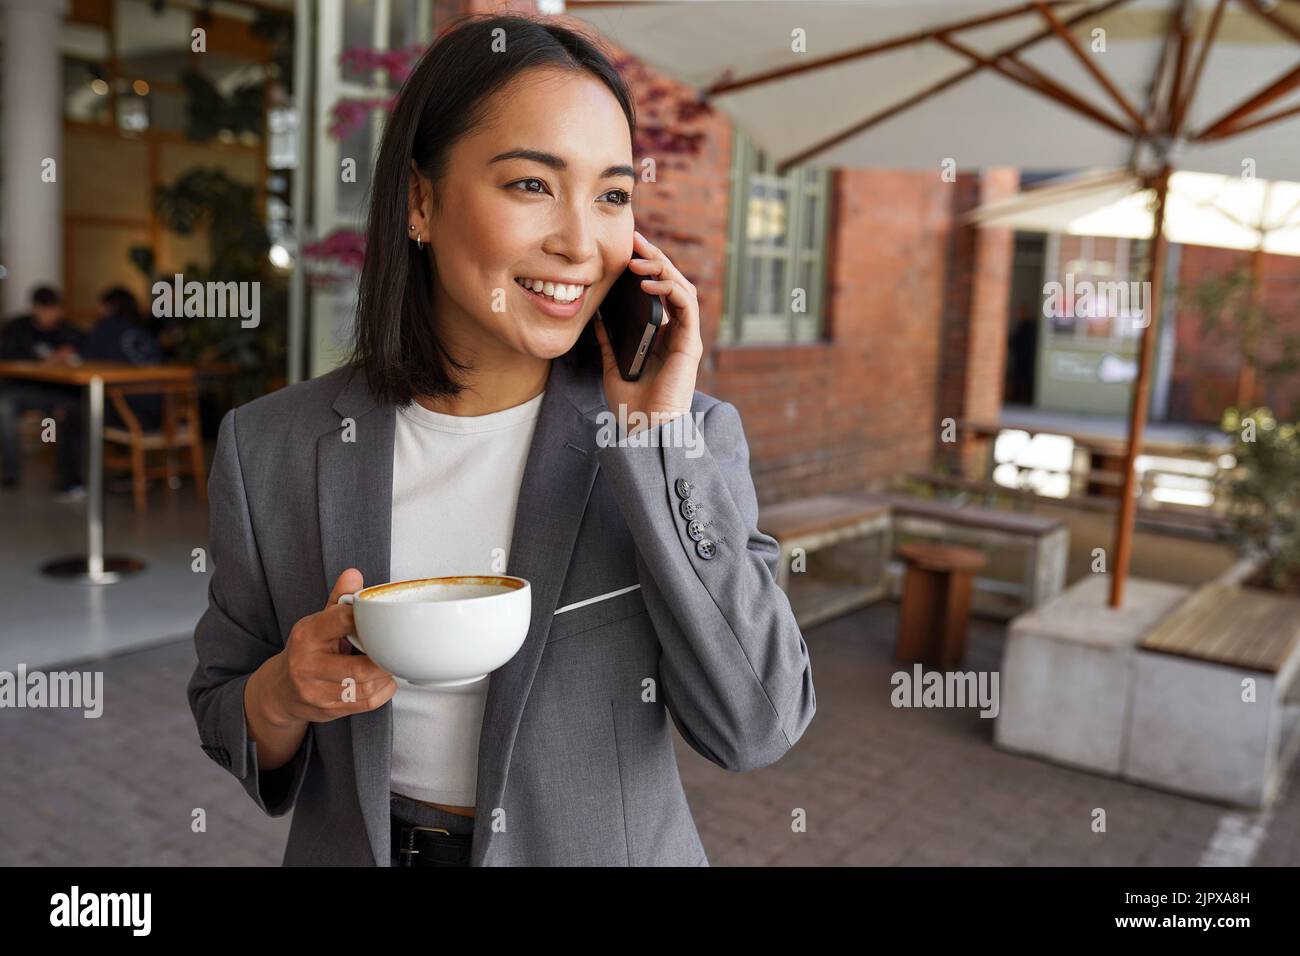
573 235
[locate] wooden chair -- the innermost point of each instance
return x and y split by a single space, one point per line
180 429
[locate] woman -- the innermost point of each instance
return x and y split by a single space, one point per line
464 437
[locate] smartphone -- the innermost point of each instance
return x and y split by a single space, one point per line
632 319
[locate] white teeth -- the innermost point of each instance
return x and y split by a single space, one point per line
559 291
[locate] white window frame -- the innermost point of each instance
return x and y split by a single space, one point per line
749 166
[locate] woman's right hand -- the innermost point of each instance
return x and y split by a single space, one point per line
309 679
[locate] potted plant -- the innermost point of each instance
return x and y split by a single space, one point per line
1265 495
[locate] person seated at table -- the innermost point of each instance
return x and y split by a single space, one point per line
119 335
42 335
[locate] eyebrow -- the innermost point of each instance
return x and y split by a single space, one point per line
555 162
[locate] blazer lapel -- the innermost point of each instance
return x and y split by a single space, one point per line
558 478
355 499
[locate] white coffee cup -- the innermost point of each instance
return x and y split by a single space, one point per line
442 632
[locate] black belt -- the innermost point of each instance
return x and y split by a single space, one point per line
416 845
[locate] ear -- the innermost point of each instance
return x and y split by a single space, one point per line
419 204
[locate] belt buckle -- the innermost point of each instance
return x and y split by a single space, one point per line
407 852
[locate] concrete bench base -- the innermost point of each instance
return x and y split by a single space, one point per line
1077 688
1067 672
1192 732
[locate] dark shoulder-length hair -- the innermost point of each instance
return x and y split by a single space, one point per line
442 100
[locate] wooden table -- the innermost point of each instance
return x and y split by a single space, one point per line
936 603
93 376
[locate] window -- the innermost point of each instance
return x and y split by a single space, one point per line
776 265
1111 272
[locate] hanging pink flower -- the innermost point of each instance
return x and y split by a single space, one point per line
349 115
345 246
397 63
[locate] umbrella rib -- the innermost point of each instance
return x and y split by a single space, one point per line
1256 124
1071 41
1179 26
1231 123
1180 108
1224 125
1036 81
1270 17
875 118
887 112
779 73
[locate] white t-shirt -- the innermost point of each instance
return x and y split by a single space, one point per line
455 490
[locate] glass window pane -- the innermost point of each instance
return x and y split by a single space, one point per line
405 23
358 31
767 214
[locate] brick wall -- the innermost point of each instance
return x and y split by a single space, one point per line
861 407
1205 365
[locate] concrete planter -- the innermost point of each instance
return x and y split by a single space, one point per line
1079 688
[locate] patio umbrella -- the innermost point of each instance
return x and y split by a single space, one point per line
1148 85
1202 209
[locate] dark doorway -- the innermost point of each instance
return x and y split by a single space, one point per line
1024 307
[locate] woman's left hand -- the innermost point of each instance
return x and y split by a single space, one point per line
667 383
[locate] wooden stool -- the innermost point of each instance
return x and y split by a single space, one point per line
936 603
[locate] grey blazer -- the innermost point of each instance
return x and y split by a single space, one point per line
576 763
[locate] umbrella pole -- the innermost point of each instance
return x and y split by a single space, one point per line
1138 406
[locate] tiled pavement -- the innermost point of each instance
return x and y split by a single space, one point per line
879 785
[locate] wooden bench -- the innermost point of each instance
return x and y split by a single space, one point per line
1210 714
842 582
1042 544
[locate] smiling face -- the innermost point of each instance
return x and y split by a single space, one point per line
539 194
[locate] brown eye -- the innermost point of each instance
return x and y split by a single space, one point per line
530 180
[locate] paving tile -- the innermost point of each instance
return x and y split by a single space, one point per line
881 786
